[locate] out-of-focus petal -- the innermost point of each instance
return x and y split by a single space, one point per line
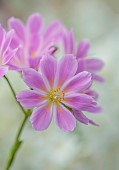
2 36
34 23
98 78
14 43
35 44
71 43
7 42
64 118
94 64
3 71
18 26
64 40
83 49
81 65
41 117
9 56
34 62
52 31
92 93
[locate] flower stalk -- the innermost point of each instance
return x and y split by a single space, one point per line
14 94
16 145
17 141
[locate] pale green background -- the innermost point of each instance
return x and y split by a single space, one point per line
88 147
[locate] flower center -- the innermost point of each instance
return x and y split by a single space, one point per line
56 95
33 54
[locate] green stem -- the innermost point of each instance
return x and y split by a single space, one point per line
17 141
14 94
16 145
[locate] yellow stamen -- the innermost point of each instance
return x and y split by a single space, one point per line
56 95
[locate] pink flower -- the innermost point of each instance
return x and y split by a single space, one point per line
57 90
6 53
93 65
33 39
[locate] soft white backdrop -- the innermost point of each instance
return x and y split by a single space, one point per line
88 147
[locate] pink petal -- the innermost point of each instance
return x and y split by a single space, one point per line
21 61
71 43
64 118
83 49
2 36
8 39
92 93
94 64
41 117
52 31
82 118
78 83
3 71
33 79
30 98
64 40
81 65
93 109
34 45
48 67
9 56
13 67
14 43
66 69
18 26
93 123
67 40
98 78
34 23
34 62
79 101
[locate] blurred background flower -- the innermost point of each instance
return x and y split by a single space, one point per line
87 148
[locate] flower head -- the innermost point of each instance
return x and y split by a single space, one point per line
6 53
93 65
57 90
33 40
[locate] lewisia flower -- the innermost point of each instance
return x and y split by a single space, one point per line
93 65
5 52
57 90
33 39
